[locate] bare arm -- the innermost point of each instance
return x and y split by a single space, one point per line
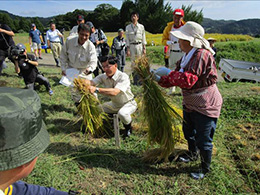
16 67
30 40
35 63
41 39
105 91
10 33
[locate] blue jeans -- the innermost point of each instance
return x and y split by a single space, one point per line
199 130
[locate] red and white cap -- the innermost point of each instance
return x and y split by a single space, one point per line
179 12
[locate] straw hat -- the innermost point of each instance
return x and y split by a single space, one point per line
211 39
23 134
193 32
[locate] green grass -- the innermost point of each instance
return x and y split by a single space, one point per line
239 50
95 166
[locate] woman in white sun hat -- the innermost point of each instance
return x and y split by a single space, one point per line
196 75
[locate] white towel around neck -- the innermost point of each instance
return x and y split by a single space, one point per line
186 58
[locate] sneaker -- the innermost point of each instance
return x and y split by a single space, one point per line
57 65
50 92
40 58
197 176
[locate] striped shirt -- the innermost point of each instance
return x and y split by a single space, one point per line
198 83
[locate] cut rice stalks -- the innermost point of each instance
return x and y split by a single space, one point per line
90 110
161 117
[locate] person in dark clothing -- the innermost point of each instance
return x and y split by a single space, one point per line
119 48
99 39
25 64
6 40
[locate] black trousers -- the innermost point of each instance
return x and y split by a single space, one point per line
99 66
41 80
3 55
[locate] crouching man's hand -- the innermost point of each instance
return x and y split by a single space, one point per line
92 89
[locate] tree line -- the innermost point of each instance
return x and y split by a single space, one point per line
154 15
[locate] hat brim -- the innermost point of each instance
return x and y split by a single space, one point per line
25 153
180 35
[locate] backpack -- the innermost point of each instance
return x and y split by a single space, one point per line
104 46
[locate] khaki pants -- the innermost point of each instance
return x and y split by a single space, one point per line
124 112
135 52
56 50
174 58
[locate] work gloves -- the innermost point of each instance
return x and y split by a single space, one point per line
157 73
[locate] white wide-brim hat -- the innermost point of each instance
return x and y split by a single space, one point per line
193 32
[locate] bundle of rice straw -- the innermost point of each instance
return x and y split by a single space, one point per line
90 110
161 117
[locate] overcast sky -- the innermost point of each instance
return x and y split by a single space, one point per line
227 10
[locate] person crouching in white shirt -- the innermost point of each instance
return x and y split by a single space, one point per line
117 88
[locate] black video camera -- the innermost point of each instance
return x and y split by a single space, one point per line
15 51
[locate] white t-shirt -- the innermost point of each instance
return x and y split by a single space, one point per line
175 44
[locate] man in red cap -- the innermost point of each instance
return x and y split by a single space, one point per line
74 30
171 41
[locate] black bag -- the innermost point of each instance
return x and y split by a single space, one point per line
104 46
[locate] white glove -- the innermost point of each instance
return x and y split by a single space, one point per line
169 42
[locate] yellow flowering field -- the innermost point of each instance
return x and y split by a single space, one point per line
156 39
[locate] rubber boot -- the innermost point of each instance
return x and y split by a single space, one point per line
128 130
192 154
188 156
205 156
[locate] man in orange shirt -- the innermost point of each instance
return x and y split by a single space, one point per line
171 41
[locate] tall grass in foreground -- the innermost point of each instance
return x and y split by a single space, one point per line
90 110
159 114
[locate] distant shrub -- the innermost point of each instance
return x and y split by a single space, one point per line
21 31
245 51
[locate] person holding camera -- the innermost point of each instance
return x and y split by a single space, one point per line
119 48
6 41
25 64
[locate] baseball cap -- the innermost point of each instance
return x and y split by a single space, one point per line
23 134
21 46
179 12
80 17
120 30
90 24
33 25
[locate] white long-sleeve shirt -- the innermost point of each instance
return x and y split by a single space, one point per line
81 57
135 34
